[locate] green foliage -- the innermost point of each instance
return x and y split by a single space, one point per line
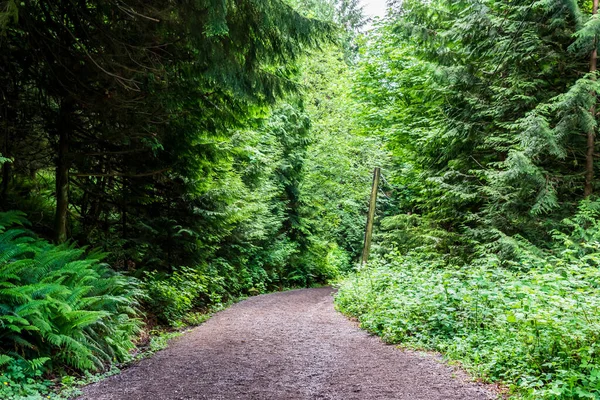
146 99
580 234
531 325
339 161
484 107
160 341
173 135
485 251
301 221
22 379
208 147
171 298
61 308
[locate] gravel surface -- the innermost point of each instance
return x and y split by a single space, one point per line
284 346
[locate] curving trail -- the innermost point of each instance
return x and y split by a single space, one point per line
284 346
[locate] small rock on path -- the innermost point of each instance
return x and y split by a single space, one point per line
285 346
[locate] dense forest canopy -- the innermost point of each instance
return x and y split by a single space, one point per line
149 129
160 158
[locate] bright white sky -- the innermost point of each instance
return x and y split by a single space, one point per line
374 8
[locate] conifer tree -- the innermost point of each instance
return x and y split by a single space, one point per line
133 100
486 102
591 134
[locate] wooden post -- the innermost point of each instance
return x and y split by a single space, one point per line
371 215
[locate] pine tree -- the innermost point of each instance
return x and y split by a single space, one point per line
591 133
140 100
488 103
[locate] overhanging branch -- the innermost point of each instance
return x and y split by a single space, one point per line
90 174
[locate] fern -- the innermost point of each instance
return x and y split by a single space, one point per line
58 307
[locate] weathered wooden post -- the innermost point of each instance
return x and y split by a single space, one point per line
371 215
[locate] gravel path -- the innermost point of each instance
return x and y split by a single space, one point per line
285 346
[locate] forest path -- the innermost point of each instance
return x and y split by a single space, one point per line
284 346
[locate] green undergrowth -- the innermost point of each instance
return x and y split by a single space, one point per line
67 318
157 338
61 310
532 324
534 329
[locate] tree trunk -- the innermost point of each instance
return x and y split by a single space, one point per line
124 198
6 178
63 165
6 167
109 188
591 134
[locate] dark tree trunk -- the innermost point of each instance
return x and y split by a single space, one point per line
109 188
6 167
125 196
63 165
6 177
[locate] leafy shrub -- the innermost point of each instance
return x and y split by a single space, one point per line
337 261
320 263
22 379
170 298
59 307
535 327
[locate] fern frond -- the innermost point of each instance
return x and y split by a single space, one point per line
4 359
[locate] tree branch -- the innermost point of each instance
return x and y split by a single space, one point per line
83 174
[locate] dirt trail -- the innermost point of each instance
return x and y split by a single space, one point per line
284 346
